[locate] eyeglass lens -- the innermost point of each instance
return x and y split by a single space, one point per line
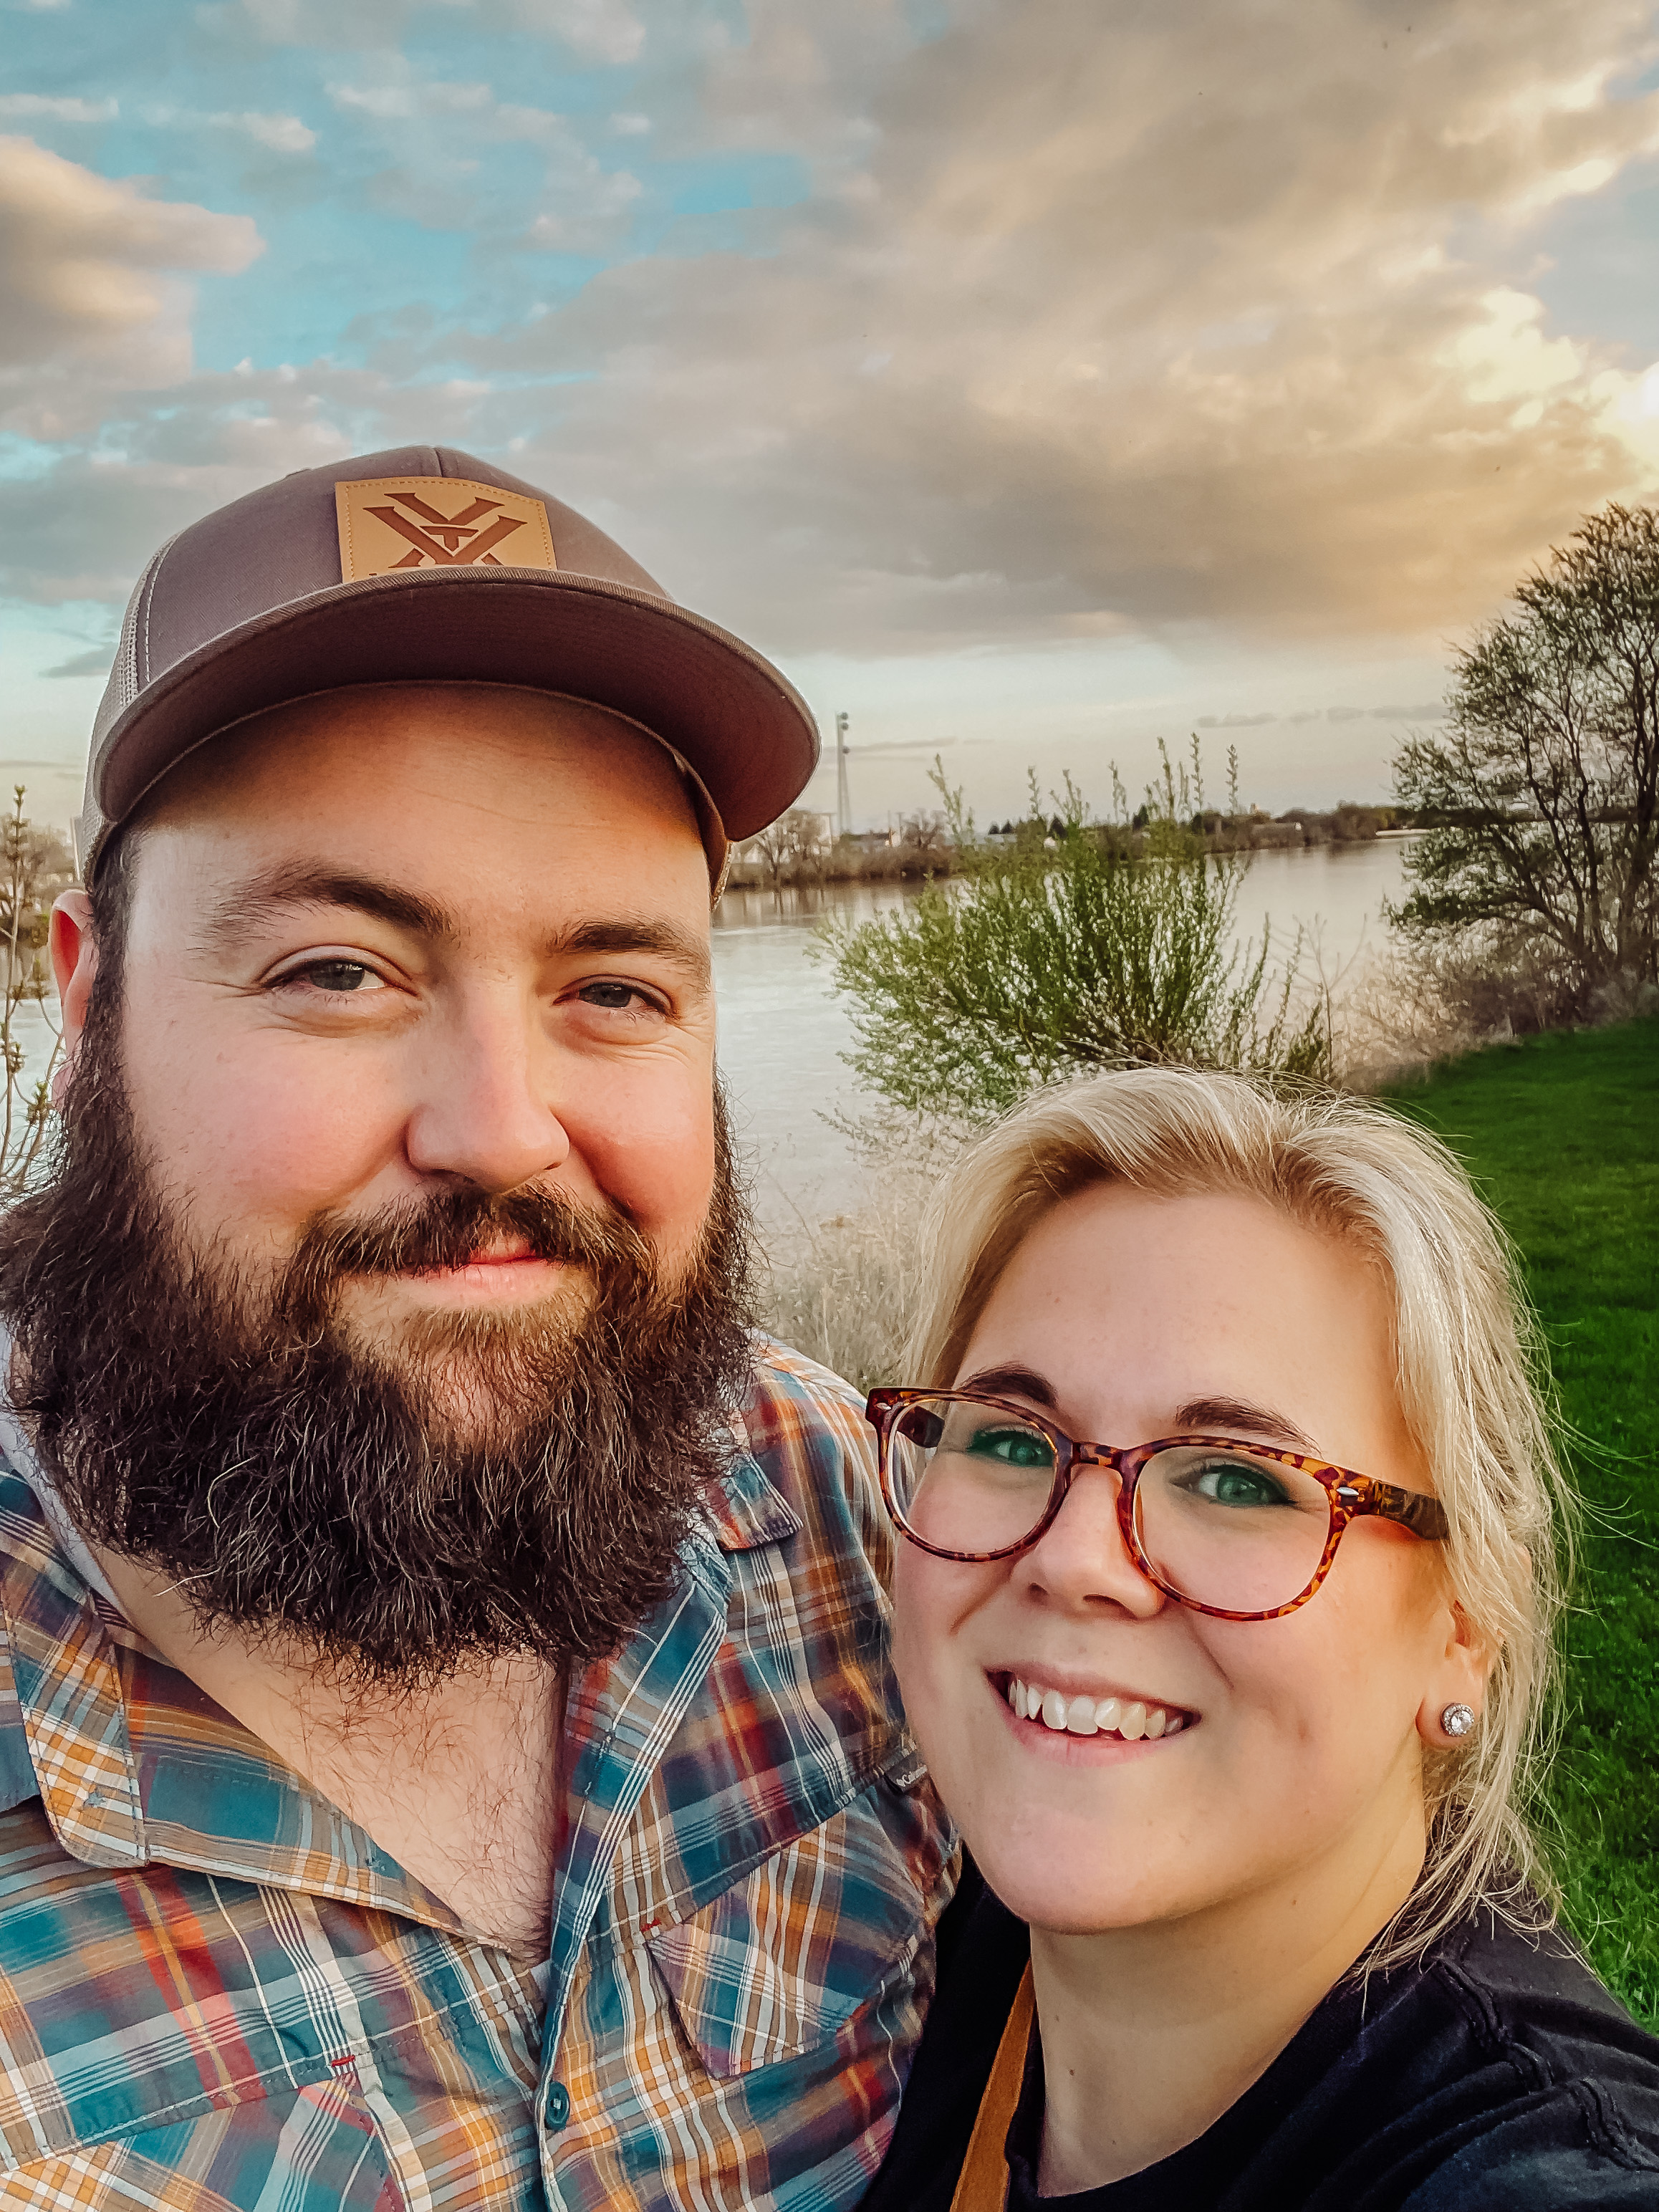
1219 1525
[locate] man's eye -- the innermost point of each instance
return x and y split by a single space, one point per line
336 976
617 997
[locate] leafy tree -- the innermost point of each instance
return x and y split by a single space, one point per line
1541 795
1094 948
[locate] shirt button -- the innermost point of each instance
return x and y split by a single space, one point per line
558 2105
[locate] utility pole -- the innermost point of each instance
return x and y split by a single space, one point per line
843 795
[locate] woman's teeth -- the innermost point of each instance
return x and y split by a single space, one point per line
1090 1717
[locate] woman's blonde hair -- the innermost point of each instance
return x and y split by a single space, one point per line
1471 1381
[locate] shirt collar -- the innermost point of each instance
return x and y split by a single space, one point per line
746 1509
133 1763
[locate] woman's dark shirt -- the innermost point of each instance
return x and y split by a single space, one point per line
1495 2076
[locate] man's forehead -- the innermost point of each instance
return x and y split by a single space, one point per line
441 809
399 746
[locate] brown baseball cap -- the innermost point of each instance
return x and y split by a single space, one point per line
425 565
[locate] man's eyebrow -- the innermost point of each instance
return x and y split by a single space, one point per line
667 940
296 883
1237 1417
240 915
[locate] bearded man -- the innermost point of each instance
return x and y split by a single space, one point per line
447 1752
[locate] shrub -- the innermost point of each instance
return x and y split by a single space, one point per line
1092 947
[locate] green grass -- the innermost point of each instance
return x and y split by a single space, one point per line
1561 1133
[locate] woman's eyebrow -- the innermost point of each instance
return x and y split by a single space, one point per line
1236 1416
1012 1382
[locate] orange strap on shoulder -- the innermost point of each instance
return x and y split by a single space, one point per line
983 2184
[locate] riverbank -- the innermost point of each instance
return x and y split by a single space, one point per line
922 852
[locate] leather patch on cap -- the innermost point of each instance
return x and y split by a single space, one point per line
438 522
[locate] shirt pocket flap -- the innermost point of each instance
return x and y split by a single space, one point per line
787 1955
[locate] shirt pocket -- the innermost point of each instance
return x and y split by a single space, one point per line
788 1955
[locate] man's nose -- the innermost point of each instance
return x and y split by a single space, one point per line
1083 1561
484 1109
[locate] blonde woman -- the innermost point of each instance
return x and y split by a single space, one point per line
1224 1624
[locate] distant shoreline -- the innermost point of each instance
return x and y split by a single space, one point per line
873 859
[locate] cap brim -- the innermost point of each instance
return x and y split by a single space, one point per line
744 729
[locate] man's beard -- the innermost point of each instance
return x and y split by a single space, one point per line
499 1484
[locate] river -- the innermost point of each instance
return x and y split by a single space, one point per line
783 1030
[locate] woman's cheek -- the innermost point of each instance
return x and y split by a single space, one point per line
937 1673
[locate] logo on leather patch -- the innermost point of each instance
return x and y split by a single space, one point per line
438 522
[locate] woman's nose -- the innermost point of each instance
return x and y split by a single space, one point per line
1083 1561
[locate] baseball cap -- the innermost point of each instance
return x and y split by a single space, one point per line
422 564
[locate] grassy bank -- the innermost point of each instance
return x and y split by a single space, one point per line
1562 1134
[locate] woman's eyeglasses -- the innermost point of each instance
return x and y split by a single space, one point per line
1242 1531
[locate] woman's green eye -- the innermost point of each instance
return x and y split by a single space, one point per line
1013 1446
1230 1483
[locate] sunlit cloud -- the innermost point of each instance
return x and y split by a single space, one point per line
44 107
87 268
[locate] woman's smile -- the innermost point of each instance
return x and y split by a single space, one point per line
1049 1713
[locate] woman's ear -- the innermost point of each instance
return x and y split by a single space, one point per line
74 965
1458 1685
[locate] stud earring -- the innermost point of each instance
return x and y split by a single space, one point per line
1457 1720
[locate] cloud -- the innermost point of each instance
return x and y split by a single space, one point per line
401 101
26 106
439 129
1096 320
89 268
279 134
1432 710
93 662
600 30
1089 322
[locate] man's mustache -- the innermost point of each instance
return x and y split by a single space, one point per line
449 1230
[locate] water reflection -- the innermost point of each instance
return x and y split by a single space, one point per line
805 905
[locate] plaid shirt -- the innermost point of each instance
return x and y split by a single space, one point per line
217 1990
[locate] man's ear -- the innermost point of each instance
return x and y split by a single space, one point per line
74 966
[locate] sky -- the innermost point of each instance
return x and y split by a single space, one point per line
1032 380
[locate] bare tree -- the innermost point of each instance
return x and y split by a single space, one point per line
35 864
927 832
1540 798
795 842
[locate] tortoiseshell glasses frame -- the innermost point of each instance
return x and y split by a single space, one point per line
1350 1497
